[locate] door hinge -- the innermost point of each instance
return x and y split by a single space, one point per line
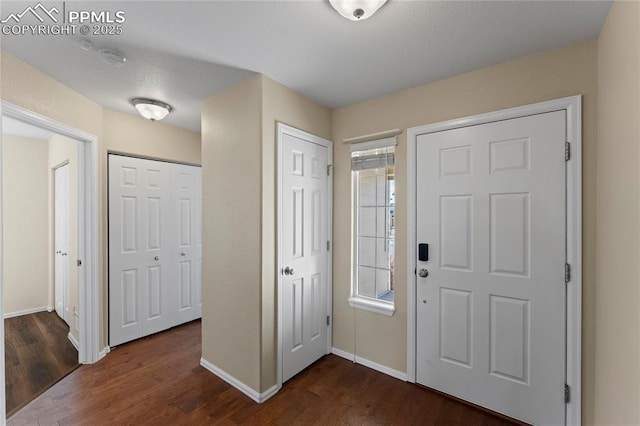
329 166
328 245
567 273
328 320
79 262
567 394
567 151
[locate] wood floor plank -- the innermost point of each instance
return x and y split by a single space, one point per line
37 355
158 380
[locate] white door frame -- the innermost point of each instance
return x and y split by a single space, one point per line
573 106
88 232
281 130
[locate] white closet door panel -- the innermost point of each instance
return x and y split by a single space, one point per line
139 248
188 200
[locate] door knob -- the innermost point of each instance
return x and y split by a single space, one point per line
156 258
288 270
423 273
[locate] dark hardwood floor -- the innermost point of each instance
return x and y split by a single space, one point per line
37 355
158 380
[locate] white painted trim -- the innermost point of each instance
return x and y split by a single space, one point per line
245 389
103 352
411 255
372 144
27 312
282 129
88 230
74 341
372 305
343 354
370 364
3 402
573 106
373 136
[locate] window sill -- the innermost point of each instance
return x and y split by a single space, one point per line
371 305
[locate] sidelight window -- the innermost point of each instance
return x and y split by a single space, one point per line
373 205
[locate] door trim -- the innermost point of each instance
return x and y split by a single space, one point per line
281 130
88 230
573 106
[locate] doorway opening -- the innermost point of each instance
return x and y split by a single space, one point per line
79 313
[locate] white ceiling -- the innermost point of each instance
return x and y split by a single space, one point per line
182 52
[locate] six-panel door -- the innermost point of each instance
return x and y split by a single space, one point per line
491 313
304 251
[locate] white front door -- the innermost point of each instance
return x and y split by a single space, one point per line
61 242
187 181
491 312
140 248
304 252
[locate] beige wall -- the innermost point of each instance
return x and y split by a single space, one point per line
231 243
550 75
27 87
64 150
25 222
617 374
239 246
134 135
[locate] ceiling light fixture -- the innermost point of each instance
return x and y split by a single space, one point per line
151 109
357 10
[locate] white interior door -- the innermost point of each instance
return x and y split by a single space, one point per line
491 312
304 252
140 248
187 181
61 242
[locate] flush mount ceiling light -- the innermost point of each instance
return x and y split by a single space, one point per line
357 10
151 109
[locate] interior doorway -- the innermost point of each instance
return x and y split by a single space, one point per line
39 284
86 238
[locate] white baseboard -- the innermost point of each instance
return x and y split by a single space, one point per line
103 353
250 392
74 341
27 312
343 354
50 309
373 365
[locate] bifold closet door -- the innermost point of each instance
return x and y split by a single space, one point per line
187 181
154 250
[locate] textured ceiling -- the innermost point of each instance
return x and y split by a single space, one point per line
182 51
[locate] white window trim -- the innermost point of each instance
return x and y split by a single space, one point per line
356 301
